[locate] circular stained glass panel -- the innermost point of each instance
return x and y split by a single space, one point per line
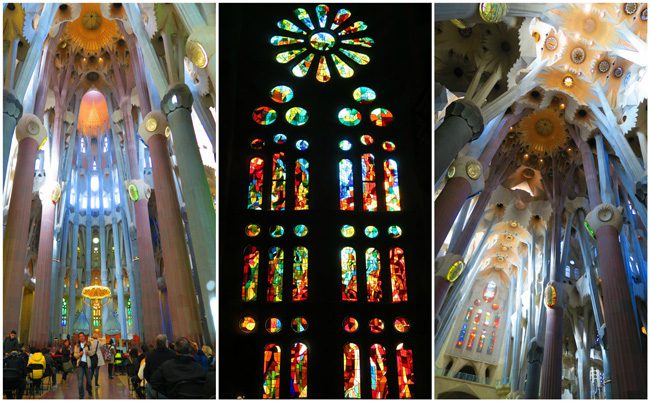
257 144
299 324
349 117
347 231
300 230
394 231
276 231
401 324
264 115
297 116
350 324
273 325
247 324
364 95
367 139
322 41
281 94
302 145
279 139
381 117
345 145
388 146
376 325
371 232
252 229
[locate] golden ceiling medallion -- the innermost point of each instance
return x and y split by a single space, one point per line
91 21
567 81
544 127
543 131
90 33
196 53
513 224
473 170
151 125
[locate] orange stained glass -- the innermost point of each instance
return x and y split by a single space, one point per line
251 272
298 381
93 114
398 275
351 371
350 324
255 183
472 336
247 324
276 269
271 384
391 186
405 376
349 274
369 184
378 369
301 187
278 184
300 268
373 275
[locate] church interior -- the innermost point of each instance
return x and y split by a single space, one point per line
109 172
540 200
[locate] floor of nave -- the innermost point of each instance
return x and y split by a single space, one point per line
116 388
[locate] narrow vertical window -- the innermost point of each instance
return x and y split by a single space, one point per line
487 318
378 380
490 292
271 383
276 268
301 188
278 183
398 275
300 267
346 186
369 184
351 371
472 336
461 336
251 273
349 274
469 313
477 317
255 183
64 312
373 279
129 316
497 320
391 186
404 371
481 341
298 382
491 344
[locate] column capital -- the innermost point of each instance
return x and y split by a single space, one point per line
138 189
469 169
11 105
30 126
535 351
468 111
604 215
154 123
178 96
450 266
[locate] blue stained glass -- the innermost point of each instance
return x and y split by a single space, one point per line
302 145
346 186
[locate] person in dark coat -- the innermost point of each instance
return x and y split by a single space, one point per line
155 359
14 373
182 368
10 343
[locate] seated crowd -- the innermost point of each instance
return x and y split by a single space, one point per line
166 371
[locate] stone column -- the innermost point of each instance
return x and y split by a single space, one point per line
177 106
30 133
183 309
535 356
12 110
72 278
628 371
463 123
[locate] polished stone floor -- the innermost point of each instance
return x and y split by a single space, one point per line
116 388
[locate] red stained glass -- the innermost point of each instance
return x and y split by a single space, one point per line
278 185
298 382
350 324
255 183
378 369
497 320
349 274
251 272
481 341
470 340
373 275
271 385
276 268
398 275
300 268
401 324
391 186
491 345
301 188
469 313
376 325
257 143
369 184
490 292
351 371
405 375
477 317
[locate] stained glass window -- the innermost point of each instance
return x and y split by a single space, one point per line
373 271
276 268
469 313
378 369
97 314
129 316
351 371
477 317
470 340
461 336
271 384
349 274
255 183
405 376
497 320
487 318
346 186
490 292
481 341
278 183
251 273
298 381
300 267
369 184
247 324
398 275
301 188
64 312
391 186
491 345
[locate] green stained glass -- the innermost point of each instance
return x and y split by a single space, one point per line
321 12
252 230
345 145
303 16
301 69
322 41
264 115
364 95
323 72
356 27
281 94
299 324
289 55
388 146
274 274
302 145
340 18
381 117
273 325
289 26
371 232
360 58
367 139
285 40
300 230
364 42
347 231
394 231
342 67
279 139
297 116
257 143
276 231
349 117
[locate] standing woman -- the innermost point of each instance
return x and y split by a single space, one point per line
109 357
96 359
66 363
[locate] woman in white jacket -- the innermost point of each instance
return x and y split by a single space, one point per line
96 349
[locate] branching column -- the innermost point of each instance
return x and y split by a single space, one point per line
12 110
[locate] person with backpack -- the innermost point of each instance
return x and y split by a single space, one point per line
109 357
14 373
